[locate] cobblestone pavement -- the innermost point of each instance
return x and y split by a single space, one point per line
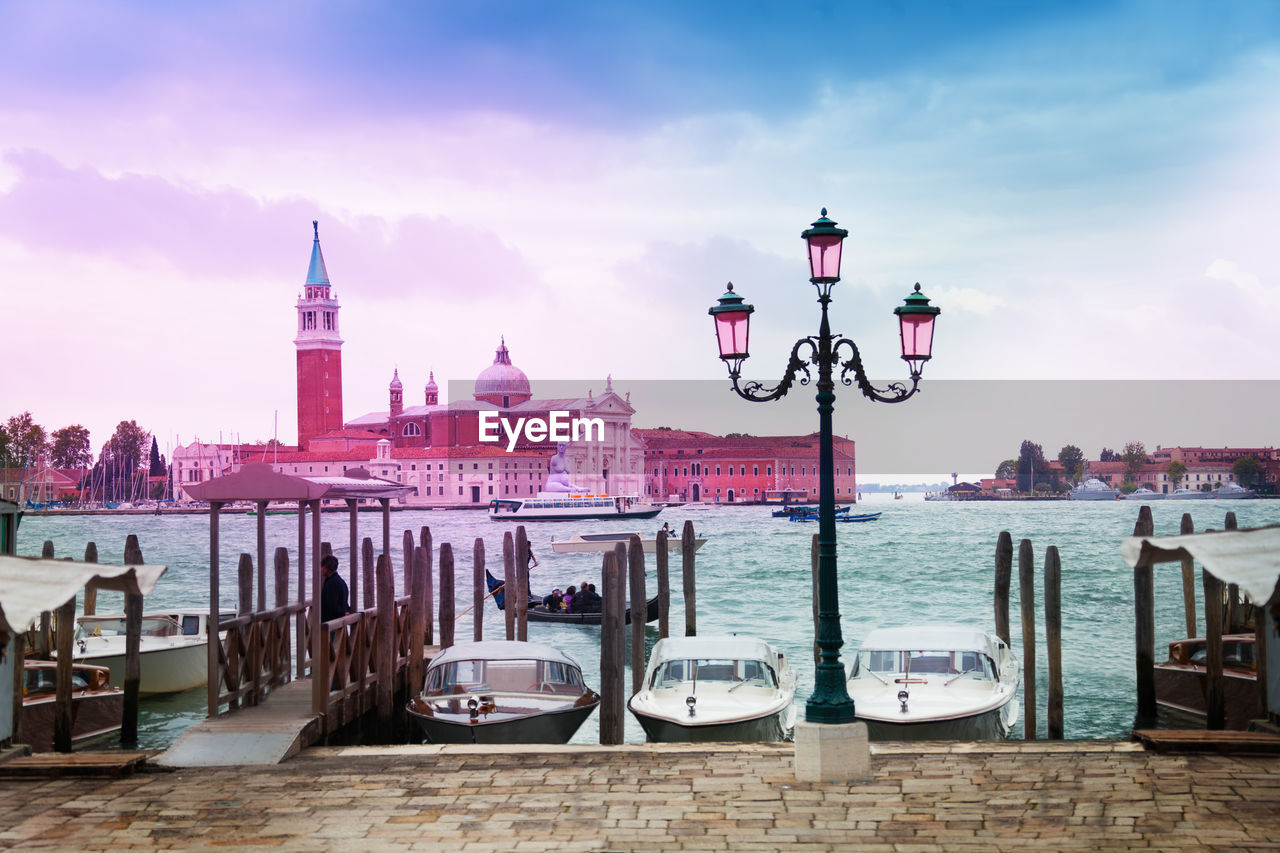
923 797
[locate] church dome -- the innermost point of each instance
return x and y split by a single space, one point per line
396 384
502 383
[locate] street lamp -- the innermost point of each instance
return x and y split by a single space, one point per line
830 702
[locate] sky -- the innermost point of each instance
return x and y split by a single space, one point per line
1087 190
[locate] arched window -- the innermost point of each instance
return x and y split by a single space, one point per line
411 429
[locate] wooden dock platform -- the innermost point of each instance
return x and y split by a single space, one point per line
1201 740
51 765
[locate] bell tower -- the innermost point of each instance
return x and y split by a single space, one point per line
319 352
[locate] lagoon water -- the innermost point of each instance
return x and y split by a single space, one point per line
921 562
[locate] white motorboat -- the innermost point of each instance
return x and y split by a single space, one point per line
1093 489
1233 492
173 648
502 691
1144 494
588 543
1185 494
716 688
560 506
935 682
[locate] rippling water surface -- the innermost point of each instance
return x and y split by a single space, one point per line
919 563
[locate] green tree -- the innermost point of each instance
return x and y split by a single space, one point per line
120 460
1108 455
1176 471
25 441
1247 470
1007 470
1134 457
1072 459
1030 464
156 464
70 447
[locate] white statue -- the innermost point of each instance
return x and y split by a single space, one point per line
558 480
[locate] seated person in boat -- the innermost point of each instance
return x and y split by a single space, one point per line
567 600
587 601
554 602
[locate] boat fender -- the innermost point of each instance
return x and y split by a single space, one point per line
691 702
902 697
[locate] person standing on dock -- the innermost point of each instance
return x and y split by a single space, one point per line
333 595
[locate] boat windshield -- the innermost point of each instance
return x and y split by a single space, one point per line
673 673
875 662
114 626
504 676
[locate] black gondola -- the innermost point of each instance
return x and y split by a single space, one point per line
537 612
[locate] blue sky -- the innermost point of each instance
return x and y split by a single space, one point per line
1087 189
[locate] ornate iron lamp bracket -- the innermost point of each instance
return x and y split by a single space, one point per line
757 392
894 392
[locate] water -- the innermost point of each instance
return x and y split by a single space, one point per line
919 563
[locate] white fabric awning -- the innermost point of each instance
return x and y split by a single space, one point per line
30 586
1248 558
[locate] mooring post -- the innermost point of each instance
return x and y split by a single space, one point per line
478 591
521 597
420 617
353 548
301 623
282 576
1027 600
509 584
424 542
386 646
62 715
1234 623
244 578
639 610
366 565
1188 579
46 621
1215 697
262 555
1053 637
1004 573
447 608
280 661
408 562
132 647
687 547
91 591
1145 628
612 723
664 586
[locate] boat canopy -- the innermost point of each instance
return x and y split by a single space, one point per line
716 646
501 650
32 586
931 638
1248 558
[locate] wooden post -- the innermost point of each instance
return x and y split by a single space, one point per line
280 659
282 576
321 677
420 617
1053 637
386 645
1188 579
664 586
303 594
447 608
1234 623
813 595
1004 572
686 562
262 555
521 597
353 548
1027 600
366 566
244 575
639 599
45 644
408 562
612 706
509 583
90 592
1145 629
132 650
424 542
1215 696
478 590
62 717
326 550
1261 621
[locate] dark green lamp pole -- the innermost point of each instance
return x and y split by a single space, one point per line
829 702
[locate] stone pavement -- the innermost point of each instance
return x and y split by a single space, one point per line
923 797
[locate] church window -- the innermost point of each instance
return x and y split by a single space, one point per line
412 429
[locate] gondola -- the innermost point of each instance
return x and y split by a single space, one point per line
806 509
537 612
846 519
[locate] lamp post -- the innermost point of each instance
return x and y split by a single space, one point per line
829 702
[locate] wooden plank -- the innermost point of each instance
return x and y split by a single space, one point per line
51 765
1201 740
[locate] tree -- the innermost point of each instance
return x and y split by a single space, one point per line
1072 459
1030 462
71 448
1176 471
156 466
25 441
1007 470
1108 455
1247 470
121 459
1134 457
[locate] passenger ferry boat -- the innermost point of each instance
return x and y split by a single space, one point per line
557 506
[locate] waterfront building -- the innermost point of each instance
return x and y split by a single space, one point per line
41 484
701 467
319 350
